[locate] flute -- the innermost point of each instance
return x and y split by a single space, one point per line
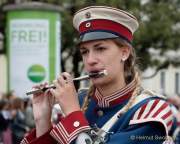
85 77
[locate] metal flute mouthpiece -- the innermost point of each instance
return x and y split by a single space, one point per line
85 77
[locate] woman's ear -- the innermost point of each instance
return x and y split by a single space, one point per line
125 50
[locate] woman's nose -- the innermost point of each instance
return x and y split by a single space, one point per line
92 59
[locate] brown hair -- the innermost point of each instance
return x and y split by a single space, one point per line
17 103
131 72
130 67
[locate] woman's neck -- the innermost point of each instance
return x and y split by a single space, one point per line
112 86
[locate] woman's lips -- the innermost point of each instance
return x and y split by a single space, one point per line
96 70
97 73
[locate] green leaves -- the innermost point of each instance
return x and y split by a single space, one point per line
159 29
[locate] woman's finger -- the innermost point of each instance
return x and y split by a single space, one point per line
61 80
53 92
68 78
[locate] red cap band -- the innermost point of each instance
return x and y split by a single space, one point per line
105 25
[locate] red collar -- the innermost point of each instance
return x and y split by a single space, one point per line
115 98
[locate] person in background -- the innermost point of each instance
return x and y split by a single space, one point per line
115 109
175 100
28 114
5 122
18 126
2 95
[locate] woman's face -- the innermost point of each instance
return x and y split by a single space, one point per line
104 55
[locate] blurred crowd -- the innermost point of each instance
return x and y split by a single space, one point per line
16 118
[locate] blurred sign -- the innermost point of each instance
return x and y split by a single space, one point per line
33 42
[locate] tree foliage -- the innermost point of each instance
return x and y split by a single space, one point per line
159 29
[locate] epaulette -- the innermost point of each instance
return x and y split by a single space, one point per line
156 109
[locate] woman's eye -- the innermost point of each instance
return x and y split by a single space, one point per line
101 48
84 52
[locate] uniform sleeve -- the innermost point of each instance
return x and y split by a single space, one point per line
146 133
175 130
149 133
64 132
150 124
44 139
70 127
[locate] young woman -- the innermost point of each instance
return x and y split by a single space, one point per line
115 109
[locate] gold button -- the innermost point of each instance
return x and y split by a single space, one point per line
100 113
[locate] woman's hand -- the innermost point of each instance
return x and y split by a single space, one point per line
42 109
65 93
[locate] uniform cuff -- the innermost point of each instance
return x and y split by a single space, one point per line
32 139
30 136
69 127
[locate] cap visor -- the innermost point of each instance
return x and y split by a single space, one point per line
90 36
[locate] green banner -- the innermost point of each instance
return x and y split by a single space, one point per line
33 43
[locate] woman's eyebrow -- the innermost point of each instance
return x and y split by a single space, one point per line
95 45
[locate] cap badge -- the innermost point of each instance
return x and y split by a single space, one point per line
88 15
88 24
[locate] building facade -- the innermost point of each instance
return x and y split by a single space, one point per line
166 81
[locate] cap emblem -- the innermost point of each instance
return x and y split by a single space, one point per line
88 15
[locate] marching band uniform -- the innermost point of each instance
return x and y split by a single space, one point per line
147 121
175 130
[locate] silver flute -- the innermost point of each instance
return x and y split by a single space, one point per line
85 77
